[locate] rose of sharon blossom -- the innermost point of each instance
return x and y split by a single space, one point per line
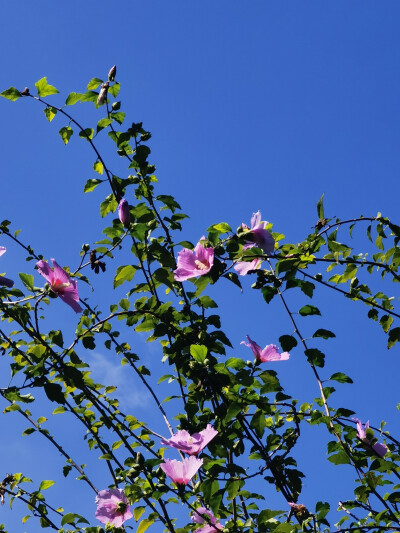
60 283
123 213
379 449
112 507
181 472
194 263
259 237
212 524
191 444
5 282
270 352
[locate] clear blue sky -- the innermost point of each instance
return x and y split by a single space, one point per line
252 105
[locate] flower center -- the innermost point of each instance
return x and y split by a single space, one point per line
121 507
58 286
202 265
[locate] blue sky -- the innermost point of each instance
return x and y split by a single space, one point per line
252 105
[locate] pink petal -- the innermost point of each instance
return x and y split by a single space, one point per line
2 250
45 270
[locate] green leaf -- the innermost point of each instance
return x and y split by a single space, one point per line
66 133
341 378
315 356
98 167
44 89
109 205
309 310
93 84
144 524
50 113
198 352
87 133
72 98
27 280
320 208
124 273
324 333
91 184
287 342
340 458
258 423
103 123
114 89
45 484
268 293
137 512
11 94
394 336
54 392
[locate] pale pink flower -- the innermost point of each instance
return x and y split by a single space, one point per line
5 282
194 263
259 237
297 507
112 507
212 524
269 353
123 212
181 472
60 283
191 444
379 449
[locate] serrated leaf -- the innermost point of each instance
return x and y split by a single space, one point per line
287 342
137 512
103 123
394 336
66 132
320 208
98 167
91 184
198 352
144 524
340 458
27 280
114 89
45 484
309 310
87 133
324 334
341 378
11 94
93 84
44 89
50 113
124 273
72 98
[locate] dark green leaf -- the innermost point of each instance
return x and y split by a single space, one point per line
341 378
287 342
324 333
309 310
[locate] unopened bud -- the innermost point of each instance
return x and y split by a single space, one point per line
25 92
5 282
123 212
112 73
103 93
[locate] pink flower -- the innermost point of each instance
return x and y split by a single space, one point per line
5 282
379 449
191 444
123 213
112 507
60 283
259 237
212 524
270 352
181 472
194 263
297 507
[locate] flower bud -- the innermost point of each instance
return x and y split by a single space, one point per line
123 212
5 282
112 73
103 93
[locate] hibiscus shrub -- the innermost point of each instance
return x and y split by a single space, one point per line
213 463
